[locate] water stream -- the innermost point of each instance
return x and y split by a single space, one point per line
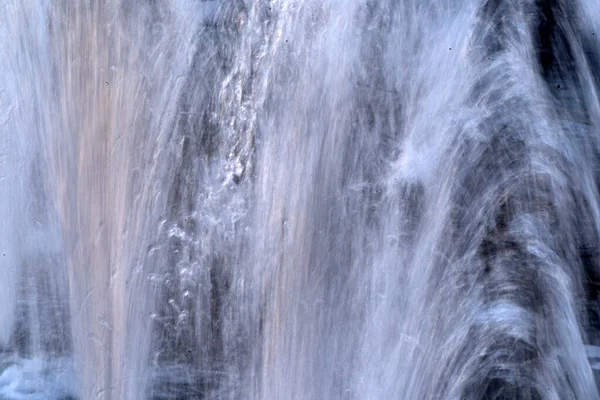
299 199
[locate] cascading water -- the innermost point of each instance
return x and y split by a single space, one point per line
299 199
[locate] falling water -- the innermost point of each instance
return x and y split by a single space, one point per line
299 199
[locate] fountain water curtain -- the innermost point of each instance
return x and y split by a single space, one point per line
299 199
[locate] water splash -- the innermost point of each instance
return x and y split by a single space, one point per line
300 199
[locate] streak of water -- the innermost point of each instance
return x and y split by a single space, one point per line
268 199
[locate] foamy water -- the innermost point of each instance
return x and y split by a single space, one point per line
269 199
